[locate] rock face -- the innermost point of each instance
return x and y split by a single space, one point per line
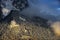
6 7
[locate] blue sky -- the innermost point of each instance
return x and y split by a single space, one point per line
50 3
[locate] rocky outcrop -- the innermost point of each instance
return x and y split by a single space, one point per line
7 7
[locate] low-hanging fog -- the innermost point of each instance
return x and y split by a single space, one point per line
48 9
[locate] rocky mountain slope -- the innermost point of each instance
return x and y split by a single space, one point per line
19 26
